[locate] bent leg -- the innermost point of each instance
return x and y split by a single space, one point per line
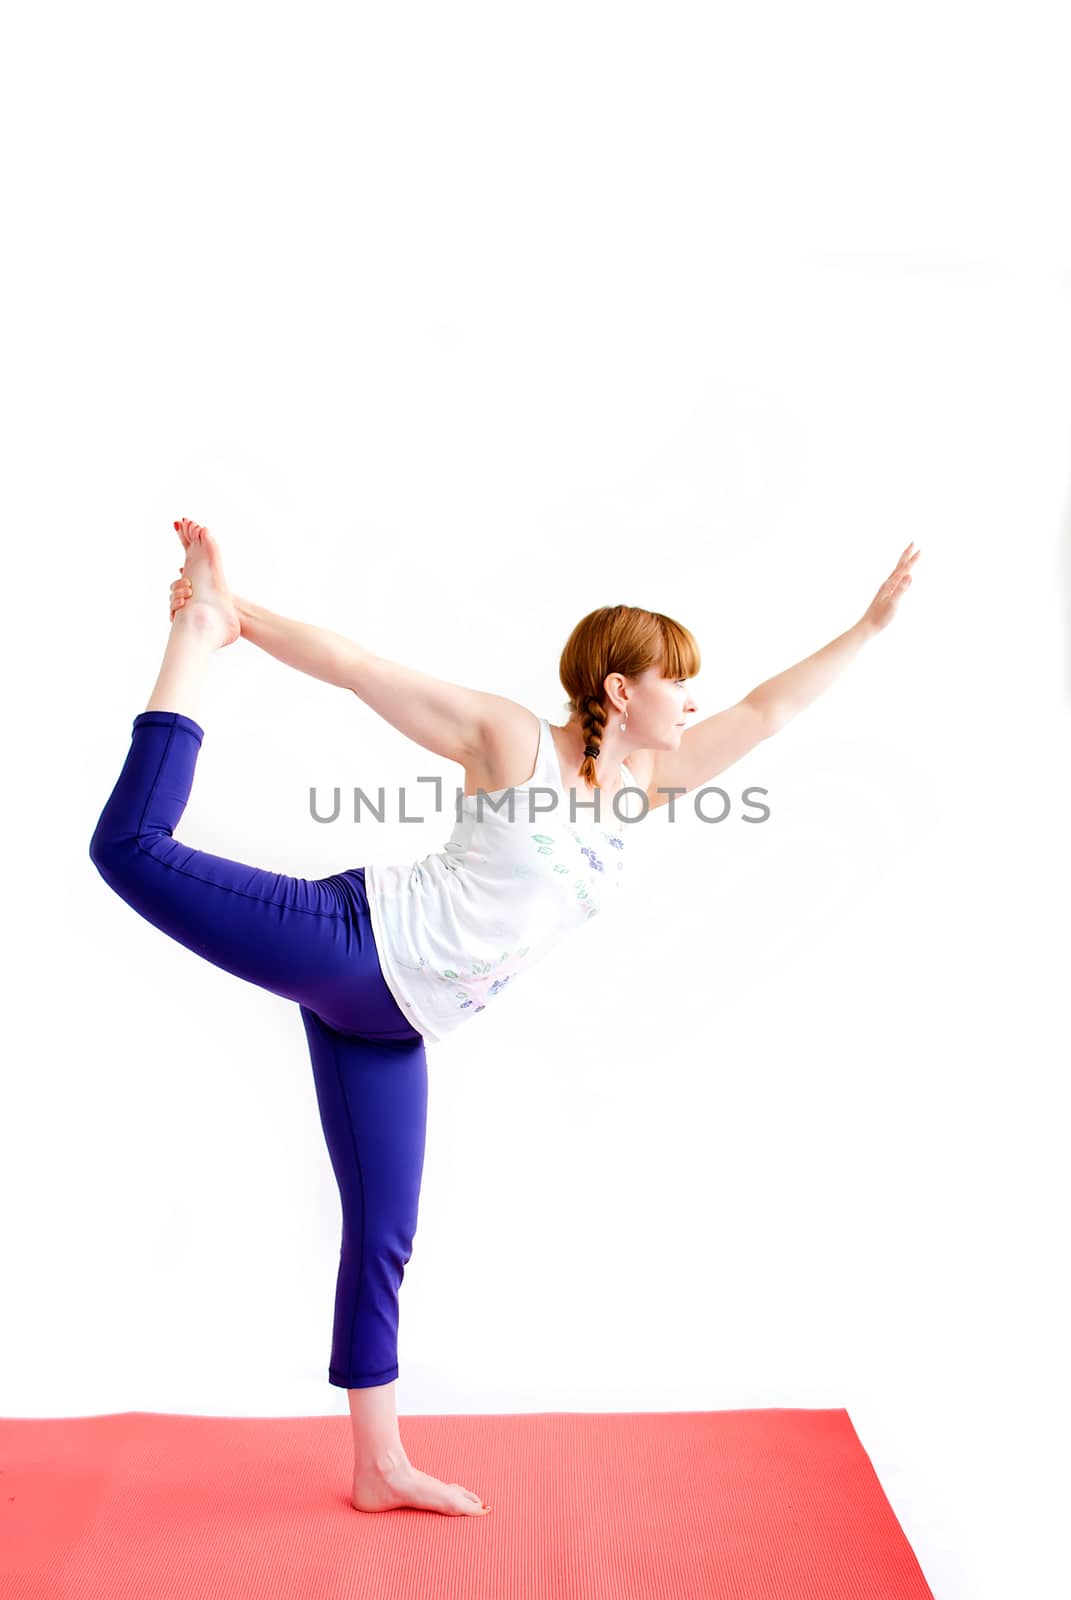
308 940
373 1100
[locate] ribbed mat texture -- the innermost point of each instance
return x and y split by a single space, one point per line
738 1505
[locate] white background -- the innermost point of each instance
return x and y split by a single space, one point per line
455 323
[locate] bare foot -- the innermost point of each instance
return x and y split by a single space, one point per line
202 590
408 1487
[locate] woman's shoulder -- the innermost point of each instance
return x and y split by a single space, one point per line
509 753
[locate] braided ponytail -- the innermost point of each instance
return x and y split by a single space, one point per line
593 723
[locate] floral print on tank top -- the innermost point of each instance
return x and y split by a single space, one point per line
545 845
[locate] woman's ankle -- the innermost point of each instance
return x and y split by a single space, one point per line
377 1443
380 1463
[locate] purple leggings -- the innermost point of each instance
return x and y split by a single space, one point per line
310 940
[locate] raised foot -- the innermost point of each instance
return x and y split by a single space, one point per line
202 592
409 1487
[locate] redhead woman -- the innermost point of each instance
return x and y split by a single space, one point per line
381 959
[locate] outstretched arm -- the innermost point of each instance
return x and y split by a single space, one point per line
320 652
783 697
708 747
445 718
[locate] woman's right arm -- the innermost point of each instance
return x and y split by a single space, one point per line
317 651
445 718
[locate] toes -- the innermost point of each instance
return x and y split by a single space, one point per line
189 532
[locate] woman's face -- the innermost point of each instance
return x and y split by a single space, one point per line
657 709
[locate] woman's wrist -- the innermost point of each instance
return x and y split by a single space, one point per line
245 608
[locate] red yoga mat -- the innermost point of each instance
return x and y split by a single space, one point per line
745 1505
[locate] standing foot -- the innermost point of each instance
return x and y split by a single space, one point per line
405 1486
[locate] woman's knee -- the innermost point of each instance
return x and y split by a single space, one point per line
107 851
117 853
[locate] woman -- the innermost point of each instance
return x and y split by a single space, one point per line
379 959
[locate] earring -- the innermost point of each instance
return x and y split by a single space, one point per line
623 725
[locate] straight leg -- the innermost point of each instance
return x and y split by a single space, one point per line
373 1101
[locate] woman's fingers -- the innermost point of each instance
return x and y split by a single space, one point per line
903 563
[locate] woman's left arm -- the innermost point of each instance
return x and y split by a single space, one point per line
779 699
709 747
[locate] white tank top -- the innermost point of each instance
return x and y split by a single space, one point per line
514 878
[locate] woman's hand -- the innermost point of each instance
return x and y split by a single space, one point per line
882 608
181 590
